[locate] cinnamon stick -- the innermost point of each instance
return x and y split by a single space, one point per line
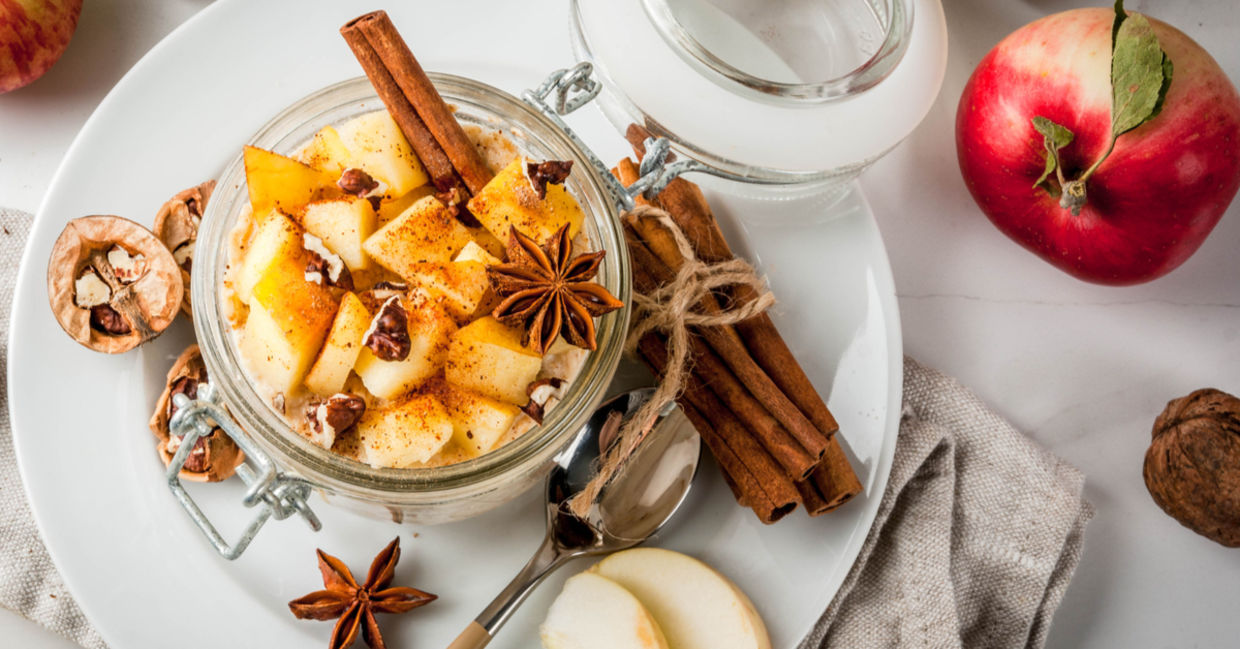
835 478
744 484
434 159
711 371
409 76
772 482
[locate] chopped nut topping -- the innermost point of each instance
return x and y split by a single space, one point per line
333 416
325 266
540 392
388 335
550 171
357 182
89 290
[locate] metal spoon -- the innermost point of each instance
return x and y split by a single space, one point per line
638 501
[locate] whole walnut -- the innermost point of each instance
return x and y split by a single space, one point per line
1192 468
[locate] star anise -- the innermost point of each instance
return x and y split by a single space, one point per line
356 605
547 291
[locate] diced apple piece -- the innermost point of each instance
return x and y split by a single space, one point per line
509 200
483 237
390 209
344 342
343 225
276 240
377 145
277 182
488 358
288 320
327 152
478 422
460 285
593 612
474 252
426 232
430 329
695 606
404 433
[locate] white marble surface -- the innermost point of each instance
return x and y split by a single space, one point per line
1084 369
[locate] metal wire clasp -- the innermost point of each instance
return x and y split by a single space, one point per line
572 88
275 493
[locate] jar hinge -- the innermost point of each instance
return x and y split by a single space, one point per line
274 492
572 88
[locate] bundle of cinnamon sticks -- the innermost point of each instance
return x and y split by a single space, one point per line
753 405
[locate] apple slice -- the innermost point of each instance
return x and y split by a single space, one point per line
327 152
593 612
460 285
488 358
277 182
510 200
343 224
288 320
340 350
376 144
474 252
276 239
478 422
390 209
426 232
408 432
430 329
695 606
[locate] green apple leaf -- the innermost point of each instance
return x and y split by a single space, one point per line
1120 15
1140 73
1054 137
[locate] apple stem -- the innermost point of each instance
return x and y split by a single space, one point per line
1073 196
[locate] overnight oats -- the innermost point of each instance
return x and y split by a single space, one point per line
396 322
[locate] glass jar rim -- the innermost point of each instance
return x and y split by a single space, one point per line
899 23
322 466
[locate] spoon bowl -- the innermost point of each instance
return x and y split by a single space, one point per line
644 494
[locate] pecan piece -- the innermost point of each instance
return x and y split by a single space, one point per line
112 284
549 171
388 336
335 415
357 182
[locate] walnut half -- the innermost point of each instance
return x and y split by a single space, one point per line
112 285
1192 468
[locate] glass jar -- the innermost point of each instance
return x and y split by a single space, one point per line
783 99
421 495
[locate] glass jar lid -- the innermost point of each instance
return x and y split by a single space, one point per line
780 92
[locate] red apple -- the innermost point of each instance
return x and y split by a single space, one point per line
33 35
1151 202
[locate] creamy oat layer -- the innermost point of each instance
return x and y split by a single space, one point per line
361 304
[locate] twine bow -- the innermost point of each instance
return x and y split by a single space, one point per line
670 310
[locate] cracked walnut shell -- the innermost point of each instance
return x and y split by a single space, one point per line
177 224
112 285
214 457
1192 468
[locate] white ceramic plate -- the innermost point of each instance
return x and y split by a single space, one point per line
147 578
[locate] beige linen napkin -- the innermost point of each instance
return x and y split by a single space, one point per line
976 539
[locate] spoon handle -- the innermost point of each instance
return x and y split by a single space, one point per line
483 628
473 637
